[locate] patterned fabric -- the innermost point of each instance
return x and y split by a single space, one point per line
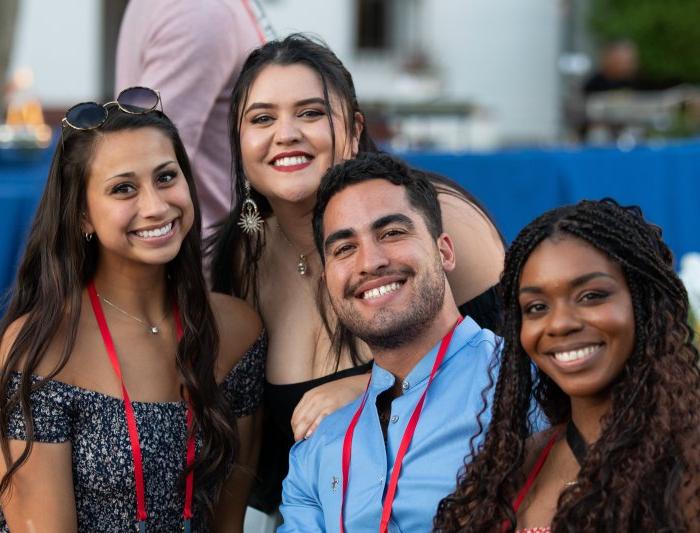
103 475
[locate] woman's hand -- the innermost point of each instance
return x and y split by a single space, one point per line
321 401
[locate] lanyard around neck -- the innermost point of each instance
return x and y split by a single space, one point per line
141 514
403 447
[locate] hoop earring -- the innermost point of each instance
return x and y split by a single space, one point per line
88 237
250 220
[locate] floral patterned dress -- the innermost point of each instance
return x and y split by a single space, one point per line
103 474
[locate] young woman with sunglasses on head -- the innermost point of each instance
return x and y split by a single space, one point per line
128 389
592 301
294 114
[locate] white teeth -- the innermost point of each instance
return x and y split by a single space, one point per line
573 355
289 161
380 291
158 232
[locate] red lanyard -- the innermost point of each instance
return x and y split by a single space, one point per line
262 24
405 440
141 515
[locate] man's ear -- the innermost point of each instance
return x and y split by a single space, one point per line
359 126
447 252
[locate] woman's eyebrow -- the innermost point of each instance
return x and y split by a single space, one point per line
267 105
576 282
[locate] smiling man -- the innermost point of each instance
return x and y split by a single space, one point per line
385 461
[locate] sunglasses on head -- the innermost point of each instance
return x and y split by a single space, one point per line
90 115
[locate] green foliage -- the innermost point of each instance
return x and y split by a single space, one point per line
667 33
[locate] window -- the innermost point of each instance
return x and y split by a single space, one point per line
373 24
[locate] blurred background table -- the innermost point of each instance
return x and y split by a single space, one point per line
517 185
22 177
514 185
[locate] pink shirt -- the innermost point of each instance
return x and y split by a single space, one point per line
192 51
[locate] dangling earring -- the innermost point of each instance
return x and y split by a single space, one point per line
88 237
250 220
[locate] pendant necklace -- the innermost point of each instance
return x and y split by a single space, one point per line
153 329
132 426
303 262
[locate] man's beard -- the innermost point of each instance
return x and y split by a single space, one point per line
391 328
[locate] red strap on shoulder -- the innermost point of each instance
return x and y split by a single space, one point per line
255 21
347 452
535 471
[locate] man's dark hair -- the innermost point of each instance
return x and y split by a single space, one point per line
371 166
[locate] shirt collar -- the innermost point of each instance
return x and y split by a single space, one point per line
382 379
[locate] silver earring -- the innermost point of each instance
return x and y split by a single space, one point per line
250 220
88 237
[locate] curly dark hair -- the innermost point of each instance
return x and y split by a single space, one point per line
642 473
55 269
420 191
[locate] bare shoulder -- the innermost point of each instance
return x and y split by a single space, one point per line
50 357
535 444
10 336
239 327
478 247
459 212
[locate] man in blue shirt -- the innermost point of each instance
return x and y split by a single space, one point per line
378 229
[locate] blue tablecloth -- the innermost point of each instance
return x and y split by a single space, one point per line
514 185
517 185
22 178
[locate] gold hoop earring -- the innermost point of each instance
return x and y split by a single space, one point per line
250 220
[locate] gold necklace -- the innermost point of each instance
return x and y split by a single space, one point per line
303 262
154 329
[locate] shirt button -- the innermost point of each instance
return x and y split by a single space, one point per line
405 385
394 419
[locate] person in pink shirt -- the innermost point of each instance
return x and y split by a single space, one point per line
192 52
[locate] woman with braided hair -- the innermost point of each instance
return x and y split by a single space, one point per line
596 333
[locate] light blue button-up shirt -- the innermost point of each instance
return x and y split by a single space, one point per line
312 490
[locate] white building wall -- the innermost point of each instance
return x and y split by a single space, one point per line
498 54
331 20
60 42
502 54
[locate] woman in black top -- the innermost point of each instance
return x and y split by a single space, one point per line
294 114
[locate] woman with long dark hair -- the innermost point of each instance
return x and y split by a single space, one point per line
596 333
294 114
127 389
